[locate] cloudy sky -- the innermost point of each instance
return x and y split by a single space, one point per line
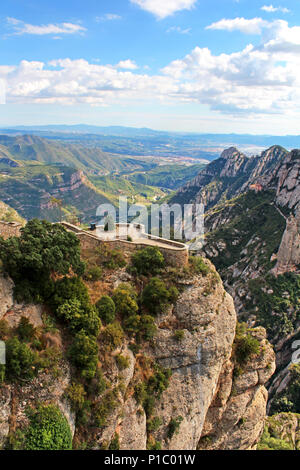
184 65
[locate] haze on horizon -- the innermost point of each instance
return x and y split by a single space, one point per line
224 66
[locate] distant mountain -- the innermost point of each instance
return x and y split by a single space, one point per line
181 138
229 175
30 189
36 149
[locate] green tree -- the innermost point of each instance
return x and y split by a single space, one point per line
25 330
42 249
156 296
113 335
48 430
148 261
106 309
84 354
67 289
20 360
125 300
79 318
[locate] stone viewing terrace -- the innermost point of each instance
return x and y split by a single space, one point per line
130 237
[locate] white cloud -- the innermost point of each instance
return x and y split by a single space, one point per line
272 9
262 79
20 28
163 8
252 26
67 81
127 64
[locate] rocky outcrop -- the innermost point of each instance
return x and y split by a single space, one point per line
288 187
235 419
203 393
207 317
288 256
230 175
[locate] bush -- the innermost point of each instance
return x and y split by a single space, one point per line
110 259
113 335
84 354
156 296
198 265
105 407
48 430
148 261
49 358
271 442
25 330
147 327
289 398
115 443
122 362
93 273
106 309
174 425
42 248
245 346
142 326
79 318
132 324
21 362
98 384
152 444
125 300
4 329
154 424
67 289
146 393
179 335
76 395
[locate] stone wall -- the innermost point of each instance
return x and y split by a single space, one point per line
174 256
9 229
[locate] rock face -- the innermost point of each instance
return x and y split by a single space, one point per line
235 418
208 323
230 175
253 230
288 256
288 187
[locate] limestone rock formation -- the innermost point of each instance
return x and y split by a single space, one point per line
213 406
235 419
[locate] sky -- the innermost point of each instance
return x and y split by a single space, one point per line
221 66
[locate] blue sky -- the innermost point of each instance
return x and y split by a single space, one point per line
186 65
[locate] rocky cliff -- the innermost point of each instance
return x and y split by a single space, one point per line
252 234
210 402
230 175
